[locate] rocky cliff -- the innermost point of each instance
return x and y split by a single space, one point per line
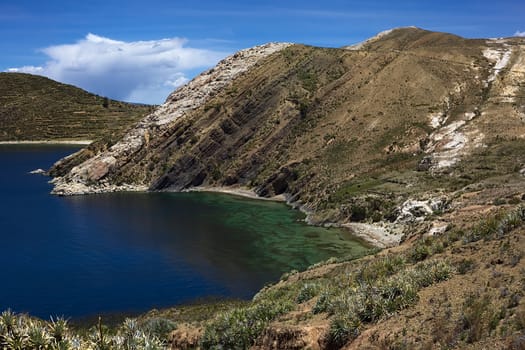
392 130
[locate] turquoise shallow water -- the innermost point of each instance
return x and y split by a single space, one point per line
130 252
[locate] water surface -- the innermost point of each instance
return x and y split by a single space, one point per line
130 252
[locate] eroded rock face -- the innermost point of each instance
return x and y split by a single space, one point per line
86 177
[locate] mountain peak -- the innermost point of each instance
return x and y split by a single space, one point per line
378 36
407 38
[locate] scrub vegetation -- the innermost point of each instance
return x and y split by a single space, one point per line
351 301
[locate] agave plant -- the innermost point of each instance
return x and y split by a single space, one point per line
58 329
130 334
77 343
8 322
16 341
133 337
99 340
158 327
61 345
38 337
152 343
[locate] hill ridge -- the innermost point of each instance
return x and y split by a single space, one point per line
350 136
34 107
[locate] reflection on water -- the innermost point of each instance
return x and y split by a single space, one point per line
131 252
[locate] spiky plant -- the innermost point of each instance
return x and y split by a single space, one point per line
132 336
152 344
342 329
98 339
38 337
58 329
158 327
78 343
16 341
8 321
64 344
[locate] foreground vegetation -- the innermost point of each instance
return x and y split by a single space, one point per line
19 332
352 296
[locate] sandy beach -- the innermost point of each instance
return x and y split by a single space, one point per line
236 191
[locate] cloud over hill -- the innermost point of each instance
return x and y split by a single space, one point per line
138 71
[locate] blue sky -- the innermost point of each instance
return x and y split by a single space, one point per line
114 48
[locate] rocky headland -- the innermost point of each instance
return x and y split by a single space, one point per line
359 136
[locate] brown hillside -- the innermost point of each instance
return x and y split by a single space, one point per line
411 137
347 134
37 108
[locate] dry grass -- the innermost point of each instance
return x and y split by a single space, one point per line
37 108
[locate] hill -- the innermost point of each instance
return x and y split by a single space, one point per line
414 140
348 135
37 108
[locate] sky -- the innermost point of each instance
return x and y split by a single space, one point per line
140 51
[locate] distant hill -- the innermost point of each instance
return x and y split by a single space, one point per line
37 108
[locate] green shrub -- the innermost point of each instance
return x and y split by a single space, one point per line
419 252
381 267
307 292
238 328
497 226
474 317
499 201
158 327
323 303
342 330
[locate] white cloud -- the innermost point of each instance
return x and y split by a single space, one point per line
139 71
518 33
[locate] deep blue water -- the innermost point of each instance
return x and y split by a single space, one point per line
130 252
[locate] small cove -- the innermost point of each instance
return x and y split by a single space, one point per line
130 252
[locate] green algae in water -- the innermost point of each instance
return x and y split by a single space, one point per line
272 234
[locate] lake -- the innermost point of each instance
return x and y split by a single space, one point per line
131 252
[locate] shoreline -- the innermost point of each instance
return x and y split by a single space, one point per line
373 235
236 191
47 142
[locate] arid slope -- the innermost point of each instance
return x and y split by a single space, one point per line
364 134
34 108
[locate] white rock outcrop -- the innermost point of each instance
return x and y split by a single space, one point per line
448 143
382 236
499 57
416 210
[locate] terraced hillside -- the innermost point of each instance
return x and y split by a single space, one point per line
37 108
